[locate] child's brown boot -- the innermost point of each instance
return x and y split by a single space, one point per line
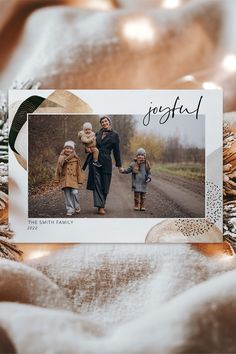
136 201
142 197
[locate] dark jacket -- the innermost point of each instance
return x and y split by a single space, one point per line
109 143
105 146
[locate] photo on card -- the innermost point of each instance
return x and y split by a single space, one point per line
116 166
129 169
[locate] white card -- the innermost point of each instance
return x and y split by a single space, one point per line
175 182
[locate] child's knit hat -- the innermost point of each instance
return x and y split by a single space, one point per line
141 151
69 143
87 125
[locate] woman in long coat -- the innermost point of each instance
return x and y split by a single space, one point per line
99 178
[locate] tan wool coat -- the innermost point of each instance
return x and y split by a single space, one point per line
88 140
68 171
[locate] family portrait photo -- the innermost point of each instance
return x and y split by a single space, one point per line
96 166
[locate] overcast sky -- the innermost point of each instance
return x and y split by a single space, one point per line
190 130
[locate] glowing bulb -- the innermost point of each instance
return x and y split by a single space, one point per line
229 63
208 85
139 30
171 4
38 254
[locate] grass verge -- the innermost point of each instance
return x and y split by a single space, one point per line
193 171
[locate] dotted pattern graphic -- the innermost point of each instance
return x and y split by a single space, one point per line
194 227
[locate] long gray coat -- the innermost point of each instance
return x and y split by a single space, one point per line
139 178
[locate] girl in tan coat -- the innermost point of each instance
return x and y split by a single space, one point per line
69 175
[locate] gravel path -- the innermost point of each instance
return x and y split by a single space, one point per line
168 197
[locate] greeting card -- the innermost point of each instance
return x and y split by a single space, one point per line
116 166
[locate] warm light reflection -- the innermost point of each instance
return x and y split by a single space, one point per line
229 63
171 4
34 251
38 254
216 249
139 30
227 258
209 85
103 5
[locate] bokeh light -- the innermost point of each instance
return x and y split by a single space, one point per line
171 4
210 85
139 30
188 78
99 5
229 63
38 254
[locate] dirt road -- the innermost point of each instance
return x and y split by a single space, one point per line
168 197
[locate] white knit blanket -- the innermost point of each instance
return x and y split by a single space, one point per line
119 299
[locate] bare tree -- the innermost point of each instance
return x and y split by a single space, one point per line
125 127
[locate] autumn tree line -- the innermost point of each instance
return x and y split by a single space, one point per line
48 133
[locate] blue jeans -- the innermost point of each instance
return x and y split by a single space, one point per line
71 199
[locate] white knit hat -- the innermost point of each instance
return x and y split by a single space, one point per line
69 143
87 125
107 117
141 151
